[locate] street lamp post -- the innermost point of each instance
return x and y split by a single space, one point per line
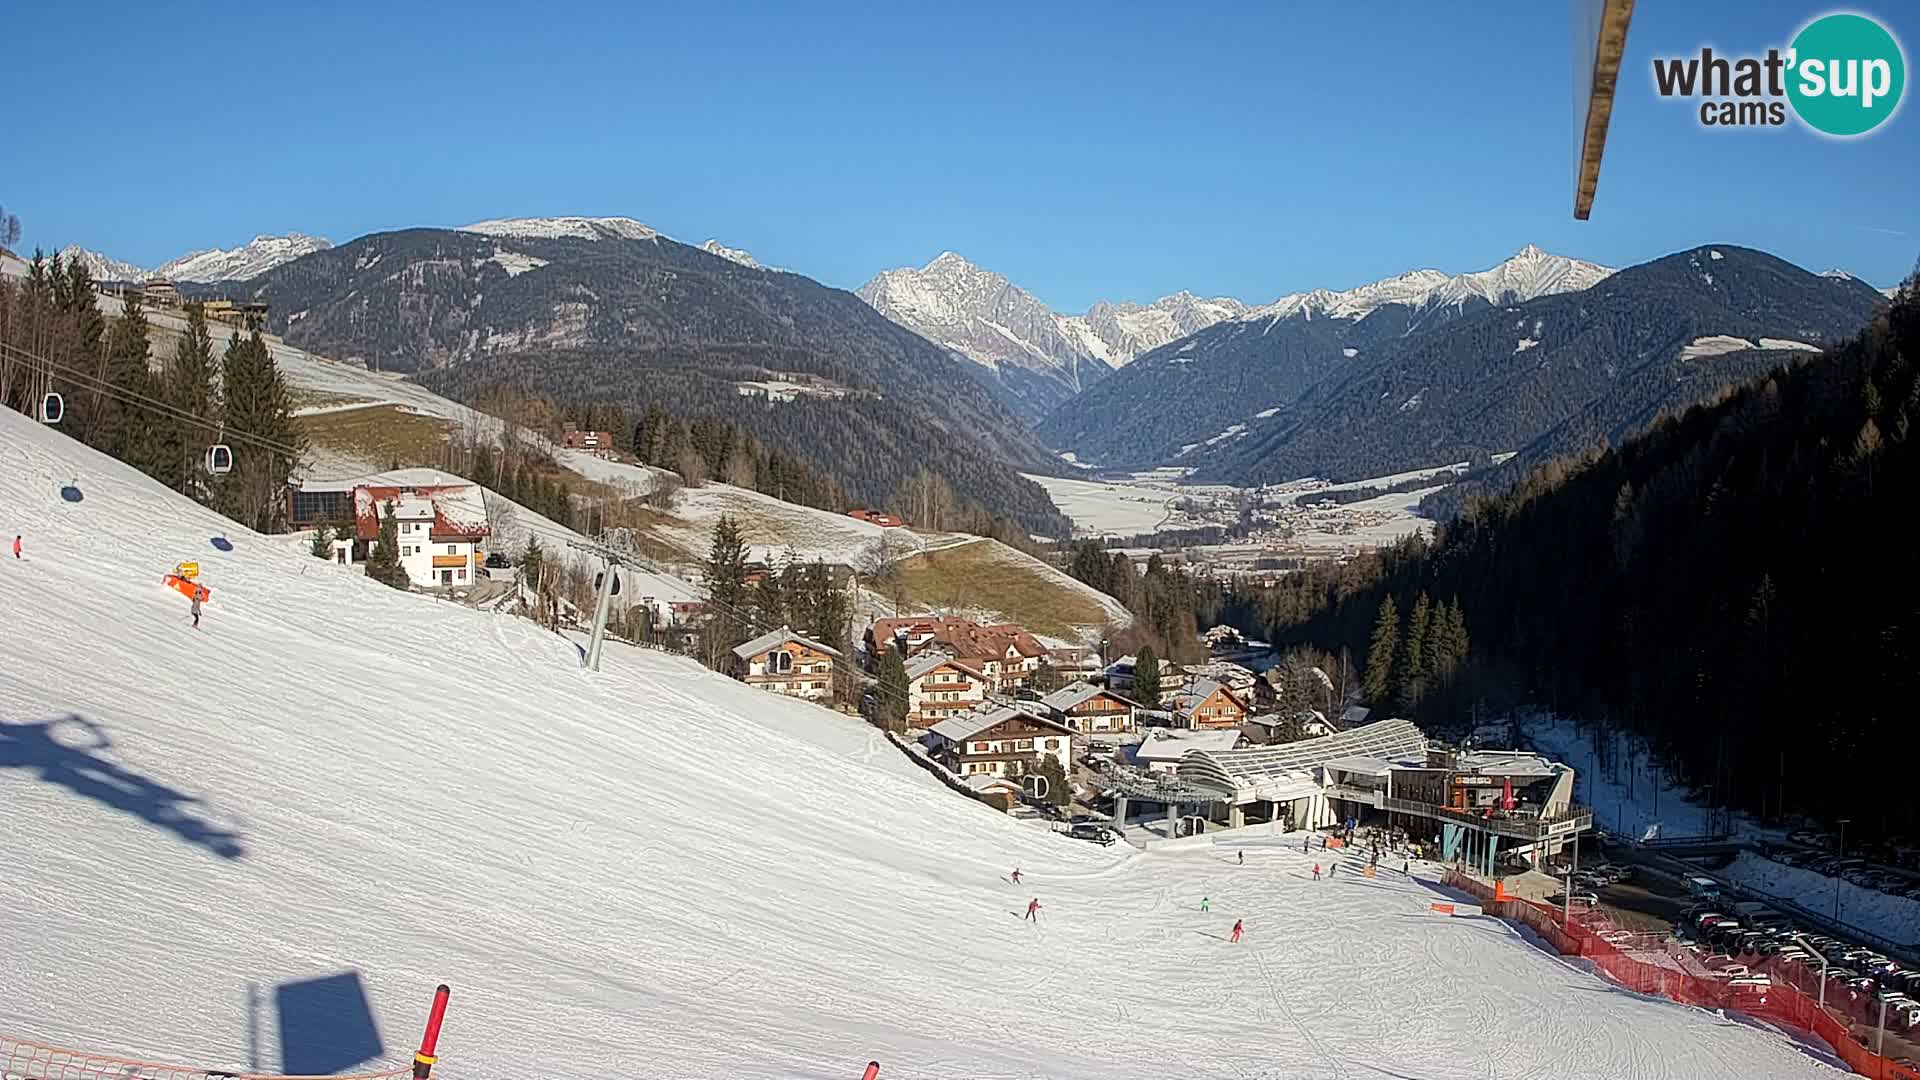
1817 955
1836 876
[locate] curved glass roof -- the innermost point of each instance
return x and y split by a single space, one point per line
1231 770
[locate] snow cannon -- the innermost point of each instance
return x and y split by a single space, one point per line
187 587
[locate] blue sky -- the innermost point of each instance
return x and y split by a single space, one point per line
1087 151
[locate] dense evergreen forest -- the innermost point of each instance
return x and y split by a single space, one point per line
1738 586
159 411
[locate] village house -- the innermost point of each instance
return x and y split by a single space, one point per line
1273 729
1207 704
1119 674
1240 680
1004 741
1005 653
878 517
597 443
782 662
1091 710
938 687
439 529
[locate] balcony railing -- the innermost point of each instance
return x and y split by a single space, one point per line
1575 819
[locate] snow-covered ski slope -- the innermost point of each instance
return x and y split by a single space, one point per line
646 872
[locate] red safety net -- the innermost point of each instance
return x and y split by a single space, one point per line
24 1059
1656 964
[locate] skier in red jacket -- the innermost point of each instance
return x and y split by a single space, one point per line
1016 875
1236 930
1033 908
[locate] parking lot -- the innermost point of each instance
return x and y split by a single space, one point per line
1742 942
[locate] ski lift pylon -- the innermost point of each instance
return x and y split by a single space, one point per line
52 408
219 459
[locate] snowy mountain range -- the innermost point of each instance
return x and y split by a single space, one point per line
249 260
1035 355
1530 273
560 228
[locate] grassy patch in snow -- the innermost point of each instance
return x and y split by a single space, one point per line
989 576
386 434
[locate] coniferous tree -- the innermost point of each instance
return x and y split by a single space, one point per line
1377 681
727 592
1146 677
257 407
135 429
190 387
383 561
322 543
890 694
1413 653
1059 790
829 609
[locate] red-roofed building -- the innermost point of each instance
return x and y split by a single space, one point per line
1005 653
597 443
878 517
441 529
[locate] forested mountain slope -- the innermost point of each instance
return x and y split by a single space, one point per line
1558 372
1739 584
607 310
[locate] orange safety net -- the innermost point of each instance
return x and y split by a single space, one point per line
1655 964
24 1059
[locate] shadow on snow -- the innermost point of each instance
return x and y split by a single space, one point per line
81 769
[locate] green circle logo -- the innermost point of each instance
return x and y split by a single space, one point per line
1847 74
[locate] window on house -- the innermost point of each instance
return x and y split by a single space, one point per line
782 662
452 550
1023 744
461 576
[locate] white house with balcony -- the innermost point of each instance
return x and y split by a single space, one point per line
439 529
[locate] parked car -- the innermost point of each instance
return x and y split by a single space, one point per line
1733 971
1751 982
497 561
1862 985
1098 834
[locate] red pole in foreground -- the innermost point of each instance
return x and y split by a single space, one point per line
873 1070
423 1061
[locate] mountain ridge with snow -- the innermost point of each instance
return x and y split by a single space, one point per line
243 263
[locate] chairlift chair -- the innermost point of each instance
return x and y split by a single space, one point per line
52 408
219 459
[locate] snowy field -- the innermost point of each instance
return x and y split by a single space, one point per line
1100 508
650 871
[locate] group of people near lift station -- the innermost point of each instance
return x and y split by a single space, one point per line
1350 835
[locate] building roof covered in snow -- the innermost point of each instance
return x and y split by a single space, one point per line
773 639
1168 745
933 661
458 511
1079 693
967 725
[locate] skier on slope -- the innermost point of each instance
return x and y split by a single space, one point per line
1205 904
1316 871
195 608
1241 856
1016 875
1033 908
16 545
1236 930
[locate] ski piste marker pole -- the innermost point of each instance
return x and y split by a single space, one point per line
423 1061
873 1071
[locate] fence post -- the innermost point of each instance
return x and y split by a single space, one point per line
429 1042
